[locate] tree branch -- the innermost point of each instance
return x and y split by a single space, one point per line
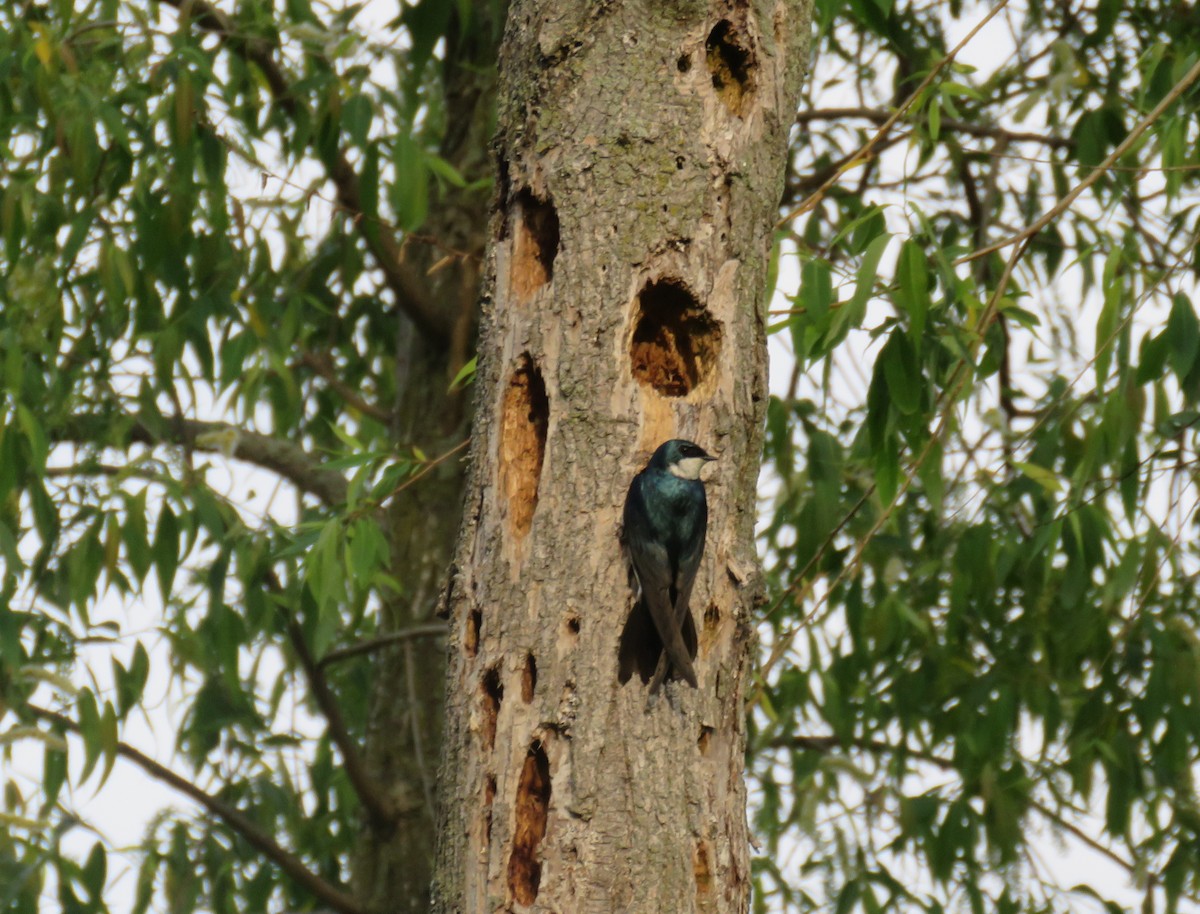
321 365
251 832
380 810
285 458
400 278
830 743
429 630
880 116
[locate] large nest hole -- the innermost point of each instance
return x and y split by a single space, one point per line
535 244
532 811
675 341
524 420
731 62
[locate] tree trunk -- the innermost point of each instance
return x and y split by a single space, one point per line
642 149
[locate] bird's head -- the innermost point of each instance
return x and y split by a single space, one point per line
680 458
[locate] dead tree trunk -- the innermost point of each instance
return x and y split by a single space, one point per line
642 149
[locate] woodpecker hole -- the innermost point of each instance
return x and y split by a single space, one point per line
731 63
534 244
684 63
705 740
471 637
528 679
525 416
712 618
492 695
702 870
573 625
532 810
675 341
489 795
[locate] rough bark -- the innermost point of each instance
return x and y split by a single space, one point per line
641 148
392 871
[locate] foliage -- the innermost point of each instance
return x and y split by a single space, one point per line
193 226
983 622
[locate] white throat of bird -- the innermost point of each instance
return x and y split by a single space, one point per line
688 467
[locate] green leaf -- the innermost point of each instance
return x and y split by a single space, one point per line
465 375
89 731
444 170
864 281
1047 479
166 550
816 291
410 191
905 382
912 293
356 119
1183 332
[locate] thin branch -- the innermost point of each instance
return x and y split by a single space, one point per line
880 116
382 813
285 458
321 365
427 468
826 744
868 148
401 279
380 810
428 630
1126 144
334 896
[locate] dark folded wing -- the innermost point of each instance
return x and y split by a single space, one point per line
651 562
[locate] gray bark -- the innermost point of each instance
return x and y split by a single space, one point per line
642 148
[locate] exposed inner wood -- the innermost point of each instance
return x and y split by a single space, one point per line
675 341
526 415
730 57
531 805
535 244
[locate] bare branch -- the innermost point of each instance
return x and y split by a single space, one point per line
970 128
322 366
831 743
380 810
285 458
429 630
334 896
401 279
1125 145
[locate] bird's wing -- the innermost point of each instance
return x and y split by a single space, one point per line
651 563
685 577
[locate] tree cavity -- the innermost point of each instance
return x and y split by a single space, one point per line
675 341
534 244
525 417
731 63
532 811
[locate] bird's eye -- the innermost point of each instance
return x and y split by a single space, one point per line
689 450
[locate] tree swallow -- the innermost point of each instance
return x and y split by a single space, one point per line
665 521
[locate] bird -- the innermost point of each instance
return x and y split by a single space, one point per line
664 524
